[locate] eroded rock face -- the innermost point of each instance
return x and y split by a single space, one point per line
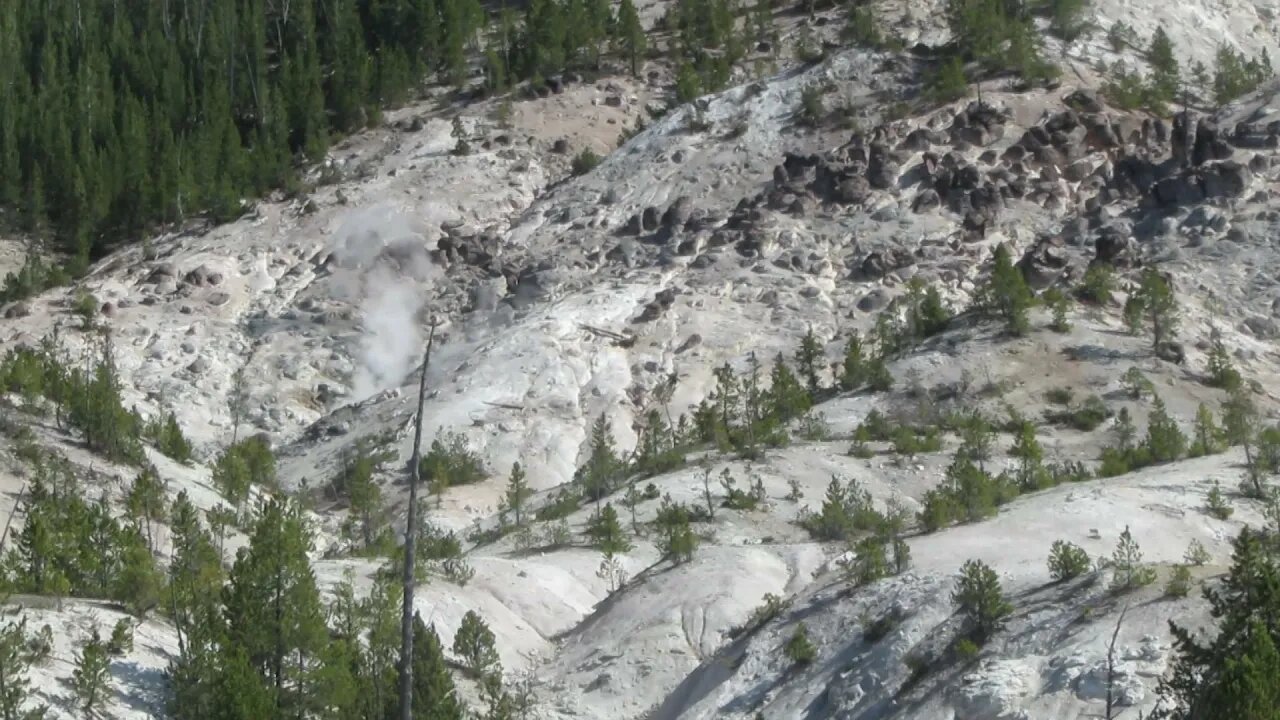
1044 262
994 692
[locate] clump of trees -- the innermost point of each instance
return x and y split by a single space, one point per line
451 462
205 116
73 545
1231 672
86 399
1164 442
242 466
1001 36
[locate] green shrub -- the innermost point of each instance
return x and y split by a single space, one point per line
563 503
1115 462
812 110
1217 503
1098 284
1059 395
799 649
1196 554
966 649
948 83
585 161
168 438
121 642
1067 561
86 306
874 631
1179 583
1086 416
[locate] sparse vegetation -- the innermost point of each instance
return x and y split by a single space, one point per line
1085 416
585 161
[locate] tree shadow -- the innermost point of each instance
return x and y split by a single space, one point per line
142 689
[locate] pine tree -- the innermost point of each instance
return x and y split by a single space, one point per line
1222 372
1059 303
1067 561
1128 570
799 648
272 607
979 598
1231 672
853 373
869 562
1164 67
1031 474
434 695
605 530
231 476
139 581
1124 430
602 462
977 437
238 402
808 360
195 574
91 673
518 491
15 662
787 398
677 539
145 503
1216 503
1155 303
474 643
1208 436
1005 295
1165 442
630 39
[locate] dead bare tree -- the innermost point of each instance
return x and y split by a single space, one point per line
410 535
17 505
1111 663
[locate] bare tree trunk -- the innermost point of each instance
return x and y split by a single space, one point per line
1111 663
410 535
16 505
